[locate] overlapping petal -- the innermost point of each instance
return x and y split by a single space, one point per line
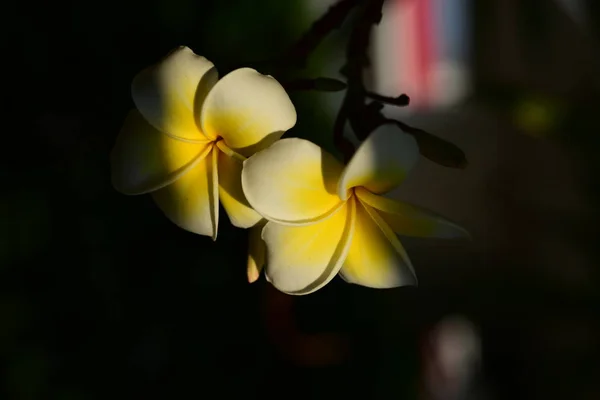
292 182
170 93
409 220
231 194
248 110
256 252
376 258
192 201
302 259
381 162
145 159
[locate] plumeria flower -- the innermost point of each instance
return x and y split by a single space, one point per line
189 134
325 218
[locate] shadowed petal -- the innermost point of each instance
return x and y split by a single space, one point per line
381 162
303 259
144 159
192 201
170 93
231 194
408 220
256 252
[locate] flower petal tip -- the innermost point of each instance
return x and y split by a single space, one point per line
453 231
252 275
467 235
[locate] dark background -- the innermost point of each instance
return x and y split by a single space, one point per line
102 297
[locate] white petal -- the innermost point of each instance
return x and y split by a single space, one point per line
248 110
381 162
170 94
293 181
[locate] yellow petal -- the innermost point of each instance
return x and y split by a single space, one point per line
170 93
292 182
408 220
145 159
256 252
381 162
376 258
248 110
231 194
302 259
192 201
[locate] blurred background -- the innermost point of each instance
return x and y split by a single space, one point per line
102 297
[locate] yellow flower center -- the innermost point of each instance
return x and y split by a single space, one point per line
225 149
350 193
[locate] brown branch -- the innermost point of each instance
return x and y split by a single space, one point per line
343 144
364 118
356 60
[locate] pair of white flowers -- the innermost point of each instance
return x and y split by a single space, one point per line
194 140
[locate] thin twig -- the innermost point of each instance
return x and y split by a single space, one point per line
401 101
296 57
364 118
356 60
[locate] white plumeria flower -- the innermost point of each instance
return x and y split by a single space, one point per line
189 135
325 218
